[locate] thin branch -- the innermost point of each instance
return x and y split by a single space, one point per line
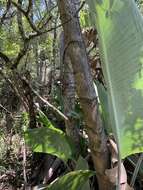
45 101
39 16
42 18
24 164
10 16
29 7
27 16
50 106
6 11
12 85
23 51
33 35
45 23
20 23
20 55
39 32
46 4
40 98
6 110
81 6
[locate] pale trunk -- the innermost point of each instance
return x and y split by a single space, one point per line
84 87
69 97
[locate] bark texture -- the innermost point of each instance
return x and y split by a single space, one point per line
75 48
69 97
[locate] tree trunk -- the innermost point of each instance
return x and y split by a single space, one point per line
69 97
75 48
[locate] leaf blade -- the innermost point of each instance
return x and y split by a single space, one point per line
120 28
48 139
72 181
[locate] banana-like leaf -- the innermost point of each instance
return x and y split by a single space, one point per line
120 29
103 102
48 139
71 181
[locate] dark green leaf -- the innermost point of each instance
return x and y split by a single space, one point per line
83 165
71 181
103 98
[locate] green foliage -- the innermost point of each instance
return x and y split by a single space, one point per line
24 120
48 139
3 147
120 28
9 37
42 118
103 99
83 165
71 181
58 98
84 18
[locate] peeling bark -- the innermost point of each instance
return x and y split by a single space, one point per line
84 87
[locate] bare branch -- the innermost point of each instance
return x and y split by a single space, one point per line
29 7
21 54
27 16
20 23
46 4
45 23
1 106
31 36
45 101
10 16
14 88
6 11
43 18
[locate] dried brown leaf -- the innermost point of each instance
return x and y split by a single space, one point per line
112 173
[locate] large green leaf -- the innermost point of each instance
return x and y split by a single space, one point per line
83 165
103 102
48 139
42 118
120 28
71 181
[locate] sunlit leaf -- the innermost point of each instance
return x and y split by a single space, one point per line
120 28
48 139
